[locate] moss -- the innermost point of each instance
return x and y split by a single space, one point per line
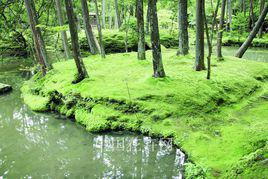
204 117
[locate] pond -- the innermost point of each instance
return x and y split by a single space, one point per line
34 145
256 54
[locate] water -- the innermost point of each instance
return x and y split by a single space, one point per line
255 54
34 145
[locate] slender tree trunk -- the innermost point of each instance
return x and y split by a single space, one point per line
110 16
183 28
199 49
251 15
230 13
148 19
253 33
117 14
209 41
99 30
37 36
158 67
63 32
103 11
126 32
140 24
214 21
88 28
82 72
219 42
261 9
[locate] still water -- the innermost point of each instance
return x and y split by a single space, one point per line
34 145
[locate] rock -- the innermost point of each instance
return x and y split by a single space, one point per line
5 88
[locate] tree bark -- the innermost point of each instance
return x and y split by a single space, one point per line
209 41
253 33
214 21
158 67
147 19
99 30
183 28
117 15
110 16
230 13
251 15
103 11
220 32
88 29
37 36
141 35
199 49
82 72
261 9
63 32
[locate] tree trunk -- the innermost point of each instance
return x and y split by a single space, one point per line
251 15
220 32
261 9
148 19
37 36
88 29
199 49
82 72
183 28
214 21
103 11
158 67
117 15
140 24
99 29
110 16
253 33
63 32
230 13
209 41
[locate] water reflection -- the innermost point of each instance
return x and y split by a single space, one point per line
44 146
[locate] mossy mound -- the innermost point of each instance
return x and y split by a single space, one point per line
115 41
198 114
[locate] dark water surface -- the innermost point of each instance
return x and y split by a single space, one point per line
34 145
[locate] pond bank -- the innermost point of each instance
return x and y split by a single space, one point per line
37 145
121 95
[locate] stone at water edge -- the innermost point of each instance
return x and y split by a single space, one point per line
5 88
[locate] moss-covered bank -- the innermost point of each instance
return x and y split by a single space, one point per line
207 119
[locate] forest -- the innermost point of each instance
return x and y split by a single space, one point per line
133 89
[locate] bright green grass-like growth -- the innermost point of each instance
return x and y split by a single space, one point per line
200 115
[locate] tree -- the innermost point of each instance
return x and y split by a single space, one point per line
220 32
82 72
37 36
230 13
103 11
261 9
209 41
147 18
63 32
253 33
141 35
117 15
158 67
199 47
99 29
88 29
183 28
